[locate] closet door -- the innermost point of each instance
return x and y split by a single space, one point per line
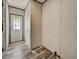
68 30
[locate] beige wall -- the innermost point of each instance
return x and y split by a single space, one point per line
36 23
27 26
51 25
59 27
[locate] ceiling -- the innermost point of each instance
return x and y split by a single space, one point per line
18 3
41 1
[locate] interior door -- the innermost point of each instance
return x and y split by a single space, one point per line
16 28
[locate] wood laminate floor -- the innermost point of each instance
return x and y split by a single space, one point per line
22 52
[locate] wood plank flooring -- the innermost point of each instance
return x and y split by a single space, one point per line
24 52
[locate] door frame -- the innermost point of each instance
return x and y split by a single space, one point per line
23 39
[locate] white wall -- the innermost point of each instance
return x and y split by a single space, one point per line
51 25
59 27
27 23
36 23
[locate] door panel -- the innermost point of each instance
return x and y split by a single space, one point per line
16 28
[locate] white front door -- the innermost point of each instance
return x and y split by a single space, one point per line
16 28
